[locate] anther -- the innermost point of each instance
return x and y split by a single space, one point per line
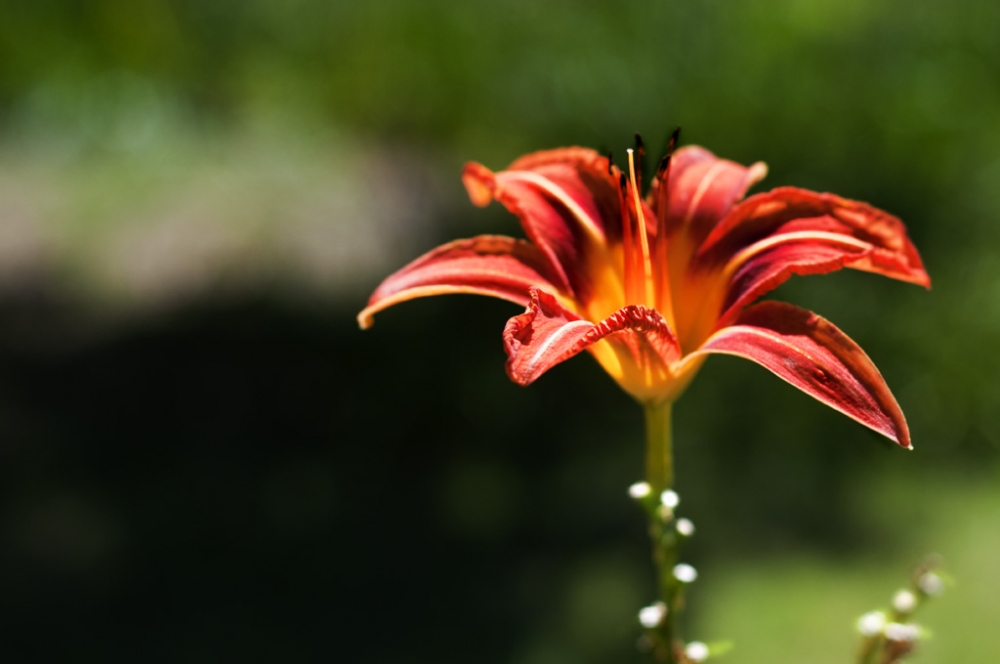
668 155
640 150
675 136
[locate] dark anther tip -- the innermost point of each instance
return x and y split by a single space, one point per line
664 164
674 137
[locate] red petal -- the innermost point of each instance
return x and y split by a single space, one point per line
813 355
486 265
791 210
567 201
702 189
547 334
765 265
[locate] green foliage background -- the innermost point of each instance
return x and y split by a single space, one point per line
202 458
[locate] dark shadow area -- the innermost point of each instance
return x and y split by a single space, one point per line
269 483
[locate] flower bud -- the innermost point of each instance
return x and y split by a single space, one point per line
685 573
652 616
639 490
902 633
904 601
931 584
696 651
670 499
685 527
871 623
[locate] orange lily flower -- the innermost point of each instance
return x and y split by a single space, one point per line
652 285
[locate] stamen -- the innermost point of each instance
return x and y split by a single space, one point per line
663 170
675 136
640 162
664 302
628 249
647 268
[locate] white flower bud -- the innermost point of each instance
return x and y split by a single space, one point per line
670 499
871 623
685 527
899 632
904 601
696 651
685 573
653 615
640 490
931 584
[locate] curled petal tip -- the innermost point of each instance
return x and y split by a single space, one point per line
480 182
365 319
756 173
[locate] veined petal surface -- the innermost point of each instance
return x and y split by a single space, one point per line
548 333
815 356
567 202
793 211
767 264
492 265
701 190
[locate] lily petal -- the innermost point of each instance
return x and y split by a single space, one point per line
815 356
789 210
548 333
765 265
701 190
486 265
567 201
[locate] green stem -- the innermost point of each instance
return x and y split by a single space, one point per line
659 448
662 531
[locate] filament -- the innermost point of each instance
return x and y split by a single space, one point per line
647 268
628 250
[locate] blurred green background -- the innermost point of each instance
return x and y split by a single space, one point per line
202 459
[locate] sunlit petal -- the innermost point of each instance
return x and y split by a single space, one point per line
789 210
701 190
486 265
548 333
567 201
813 355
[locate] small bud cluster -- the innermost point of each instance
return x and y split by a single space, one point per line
890 636
668 532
